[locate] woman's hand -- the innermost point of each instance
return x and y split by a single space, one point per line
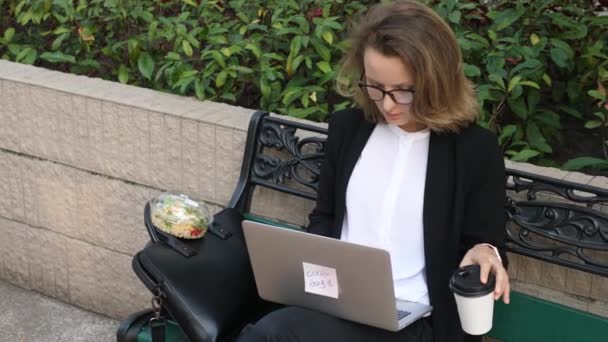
486 258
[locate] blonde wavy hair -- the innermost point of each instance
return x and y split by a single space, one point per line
445 99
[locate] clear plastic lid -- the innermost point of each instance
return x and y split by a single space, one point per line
180 216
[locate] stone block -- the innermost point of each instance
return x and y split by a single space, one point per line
139 137
576 302
273 204
577 177
599 181
116 154
56 192
191 161
122 216
83 261
95 128
102 280
66 129
80 142
227 167
11 187
599 307
173 128
49 263
553 276
116 273
539 292
206 155
529 270
165 152
514 260
111 213
599 288
9 113
578 282
49 120
14 255
31 170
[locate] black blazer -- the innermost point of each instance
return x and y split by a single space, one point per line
463 201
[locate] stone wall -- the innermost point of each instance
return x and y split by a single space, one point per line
79 157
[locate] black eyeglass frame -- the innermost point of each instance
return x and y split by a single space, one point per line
363 85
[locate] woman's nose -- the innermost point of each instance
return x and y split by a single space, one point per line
388 104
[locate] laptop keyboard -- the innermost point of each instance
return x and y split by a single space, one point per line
401 314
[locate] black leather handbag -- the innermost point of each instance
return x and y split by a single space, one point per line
205 285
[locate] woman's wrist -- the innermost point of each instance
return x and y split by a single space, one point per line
494 249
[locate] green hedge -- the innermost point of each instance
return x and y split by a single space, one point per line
537 64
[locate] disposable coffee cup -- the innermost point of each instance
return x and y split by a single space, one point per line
475 300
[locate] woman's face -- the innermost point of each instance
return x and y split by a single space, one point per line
390 73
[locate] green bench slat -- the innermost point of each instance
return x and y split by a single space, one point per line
255 218
530 319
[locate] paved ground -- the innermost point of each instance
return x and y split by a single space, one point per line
27 316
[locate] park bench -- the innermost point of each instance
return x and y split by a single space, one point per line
548 219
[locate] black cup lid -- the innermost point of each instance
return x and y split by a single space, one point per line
465 282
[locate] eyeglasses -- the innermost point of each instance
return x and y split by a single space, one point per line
400 96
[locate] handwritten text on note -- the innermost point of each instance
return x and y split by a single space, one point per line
320 280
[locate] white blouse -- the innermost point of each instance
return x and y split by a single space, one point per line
384 203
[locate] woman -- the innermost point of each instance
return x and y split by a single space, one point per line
408 172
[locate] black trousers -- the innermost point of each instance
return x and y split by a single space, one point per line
293 324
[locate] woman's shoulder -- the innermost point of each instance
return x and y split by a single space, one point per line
345 118
476 134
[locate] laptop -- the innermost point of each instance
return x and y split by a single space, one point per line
346 280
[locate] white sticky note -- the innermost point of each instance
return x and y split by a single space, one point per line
320 280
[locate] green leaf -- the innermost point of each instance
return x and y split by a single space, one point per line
518 106
581 162
328 37
593 124
220 80
321 49
254 49
58 57
324 66
530 84
123 74
241 69
572 112
559 56
547 79
506 133
174 56
498 80
145 64
524 155
536 138
597 95
507 17
187 48
513 82
471 70
295 46
455 17
8 35
265 88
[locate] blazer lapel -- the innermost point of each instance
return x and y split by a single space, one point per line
438 196
351 157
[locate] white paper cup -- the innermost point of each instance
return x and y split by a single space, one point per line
474 300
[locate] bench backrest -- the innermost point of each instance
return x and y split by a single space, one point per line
568 229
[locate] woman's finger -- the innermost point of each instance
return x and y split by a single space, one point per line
506 297
484 271
500 275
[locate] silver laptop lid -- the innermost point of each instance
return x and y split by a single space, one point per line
346 280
